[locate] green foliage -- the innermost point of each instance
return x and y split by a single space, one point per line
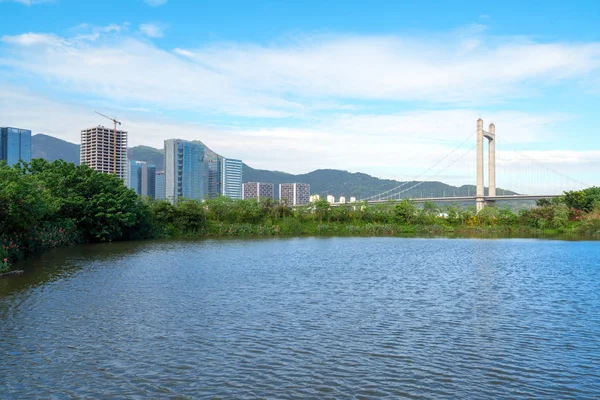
322 210
290 226
405 212
45 205
585 200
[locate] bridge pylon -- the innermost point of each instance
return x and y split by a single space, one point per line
490 135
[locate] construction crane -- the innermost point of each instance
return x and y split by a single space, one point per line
114 120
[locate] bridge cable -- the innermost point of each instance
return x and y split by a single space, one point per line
424 172
544 165
439 172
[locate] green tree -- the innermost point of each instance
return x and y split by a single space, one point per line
405 211
322 209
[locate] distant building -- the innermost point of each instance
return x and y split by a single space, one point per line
142 178
315 197
214 165
352 199
159 185
258 190
224 175
102 152
330 198
186 172
294 194
15 145
231 178
342 200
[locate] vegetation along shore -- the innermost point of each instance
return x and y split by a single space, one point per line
46 205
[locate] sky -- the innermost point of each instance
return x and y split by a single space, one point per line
389 88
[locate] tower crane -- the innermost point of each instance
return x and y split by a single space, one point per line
114 120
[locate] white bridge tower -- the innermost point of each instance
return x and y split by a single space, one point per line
490 135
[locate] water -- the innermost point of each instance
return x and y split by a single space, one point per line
305 318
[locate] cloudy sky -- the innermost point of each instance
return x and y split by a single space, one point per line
392 89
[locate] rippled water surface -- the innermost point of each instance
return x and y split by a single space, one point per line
305 318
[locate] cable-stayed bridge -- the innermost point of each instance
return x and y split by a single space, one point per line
530 179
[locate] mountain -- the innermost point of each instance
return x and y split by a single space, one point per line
148 154
322 181
52 149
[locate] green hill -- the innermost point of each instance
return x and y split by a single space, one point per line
148 154
52 149
321 181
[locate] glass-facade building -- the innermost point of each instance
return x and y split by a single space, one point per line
142 178
186 173
15 145
159 188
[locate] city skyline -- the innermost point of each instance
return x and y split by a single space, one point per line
370 94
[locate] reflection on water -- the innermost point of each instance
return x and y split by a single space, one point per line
320 318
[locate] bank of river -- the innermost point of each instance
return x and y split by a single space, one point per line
305 317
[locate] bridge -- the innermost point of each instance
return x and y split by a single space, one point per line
542 175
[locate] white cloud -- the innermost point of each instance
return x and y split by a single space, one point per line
155 3
33 39
399 146
153 30
465 68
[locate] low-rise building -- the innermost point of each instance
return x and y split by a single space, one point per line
258 190
294 194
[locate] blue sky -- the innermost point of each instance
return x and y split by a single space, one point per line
383 87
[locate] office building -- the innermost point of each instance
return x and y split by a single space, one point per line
224 175
186 172
294 194
142 178
159 182
103 152
15 145
231 177
258 190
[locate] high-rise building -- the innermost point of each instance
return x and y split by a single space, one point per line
103 152
258 190
142 178
231 178
186 172
213 161
159 192
294 194
15 145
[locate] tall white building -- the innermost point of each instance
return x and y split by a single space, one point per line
103 151
231 178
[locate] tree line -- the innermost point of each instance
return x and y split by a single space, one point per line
45 205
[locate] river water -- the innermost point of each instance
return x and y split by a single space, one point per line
305 318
